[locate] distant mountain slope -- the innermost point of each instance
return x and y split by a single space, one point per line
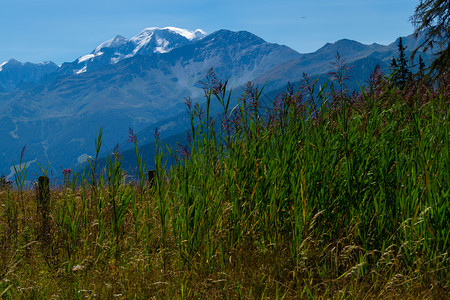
15 74
358 55
58 118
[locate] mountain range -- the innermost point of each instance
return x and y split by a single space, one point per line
142 82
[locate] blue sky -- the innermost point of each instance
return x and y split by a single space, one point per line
62 30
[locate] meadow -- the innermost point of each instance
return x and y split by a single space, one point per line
326 194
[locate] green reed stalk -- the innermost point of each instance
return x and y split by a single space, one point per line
119 198
162 191
20 175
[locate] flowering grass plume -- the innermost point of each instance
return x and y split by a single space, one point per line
132 137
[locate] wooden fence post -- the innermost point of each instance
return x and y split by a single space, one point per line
44 207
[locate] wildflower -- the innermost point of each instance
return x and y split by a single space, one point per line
251 93
226 124
23 152
116 152
236 122
188 102
213 83
132 137
340 67
199 112
376 77
340 75
78 268
156 135
183 151
66 171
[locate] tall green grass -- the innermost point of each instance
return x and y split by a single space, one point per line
325 194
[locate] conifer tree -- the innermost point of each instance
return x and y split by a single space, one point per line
394 69
421 72
399 67
432 17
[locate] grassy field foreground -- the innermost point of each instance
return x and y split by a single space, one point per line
325 194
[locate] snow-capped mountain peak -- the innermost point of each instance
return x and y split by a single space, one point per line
148 41
188 34
117 41
162 40
142 39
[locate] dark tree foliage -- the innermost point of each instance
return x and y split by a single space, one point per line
399 67
421 72
394 65
431 17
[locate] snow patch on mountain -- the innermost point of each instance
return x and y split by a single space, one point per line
13 133
117 57
117 41
88 57
44 63
20 166
82 70
162 45
2 64
141 40
143 37
190 35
